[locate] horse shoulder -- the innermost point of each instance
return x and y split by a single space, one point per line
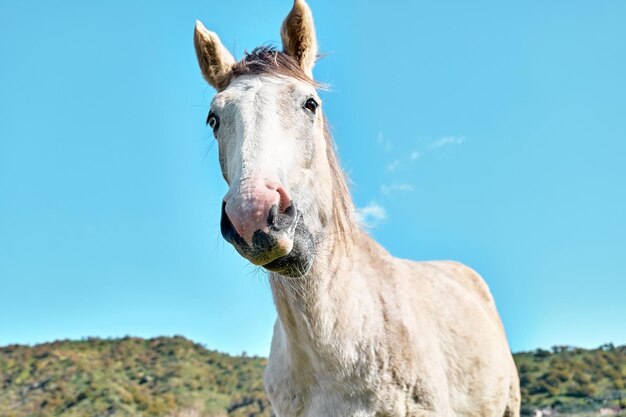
481 372
465 276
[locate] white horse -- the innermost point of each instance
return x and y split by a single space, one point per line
359 333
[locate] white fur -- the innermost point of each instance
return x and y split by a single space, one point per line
365 334
251 128
362 334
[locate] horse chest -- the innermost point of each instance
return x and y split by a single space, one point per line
314 386
339 388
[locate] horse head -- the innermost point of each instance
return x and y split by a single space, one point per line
274 148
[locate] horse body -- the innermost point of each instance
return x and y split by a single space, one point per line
388 337
359 333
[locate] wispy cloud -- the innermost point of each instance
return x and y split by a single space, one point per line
399 165
416 154
445 141
386 143
371 214
394 165
396 187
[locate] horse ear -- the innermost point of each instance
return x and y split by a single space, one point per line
298 36
216 63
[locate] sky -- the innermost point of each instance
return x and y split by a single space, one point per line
486 132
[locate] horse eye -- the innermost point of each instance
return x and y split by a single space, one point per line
311 105
212 121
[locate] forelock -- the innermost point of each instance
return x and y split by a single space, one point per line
267 60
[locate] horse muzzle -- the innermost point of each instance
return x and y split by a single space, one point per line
284 245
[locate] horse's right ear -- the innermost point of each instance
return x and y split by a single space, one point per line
298 36
216 63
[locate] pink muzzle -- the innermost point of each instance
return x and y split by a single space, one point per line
250 207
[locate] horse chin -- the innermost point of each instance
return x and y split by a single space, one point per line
298 262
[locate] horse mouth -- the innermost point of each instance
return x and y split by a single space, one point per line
299 260
286 250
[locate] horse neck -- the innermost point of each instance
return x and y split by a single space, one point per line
306 306
309 307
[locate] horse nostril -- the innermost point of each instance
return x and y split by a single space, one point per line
272 217
228 229
291 210
226 225
281 221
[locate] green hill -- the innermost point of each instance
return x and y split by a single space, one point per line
129 377
175 377
572 379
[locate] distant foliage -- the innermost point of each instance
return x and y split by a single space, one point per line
174 377
170 377
573 380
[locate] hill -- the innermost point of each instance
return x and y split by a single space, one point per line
175 377
573 379
129 377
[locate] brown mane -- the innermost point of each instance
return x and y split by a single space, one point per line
343 206
270 61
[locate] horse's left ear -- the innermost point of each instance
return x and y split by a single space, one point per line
298 36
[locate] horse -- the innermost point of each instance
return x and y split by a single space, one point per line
358 333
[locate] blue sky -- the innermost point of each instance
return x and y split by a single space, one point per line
485 132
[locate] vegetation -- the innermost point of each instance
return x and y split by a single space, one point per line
175 377
573 380
129 377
